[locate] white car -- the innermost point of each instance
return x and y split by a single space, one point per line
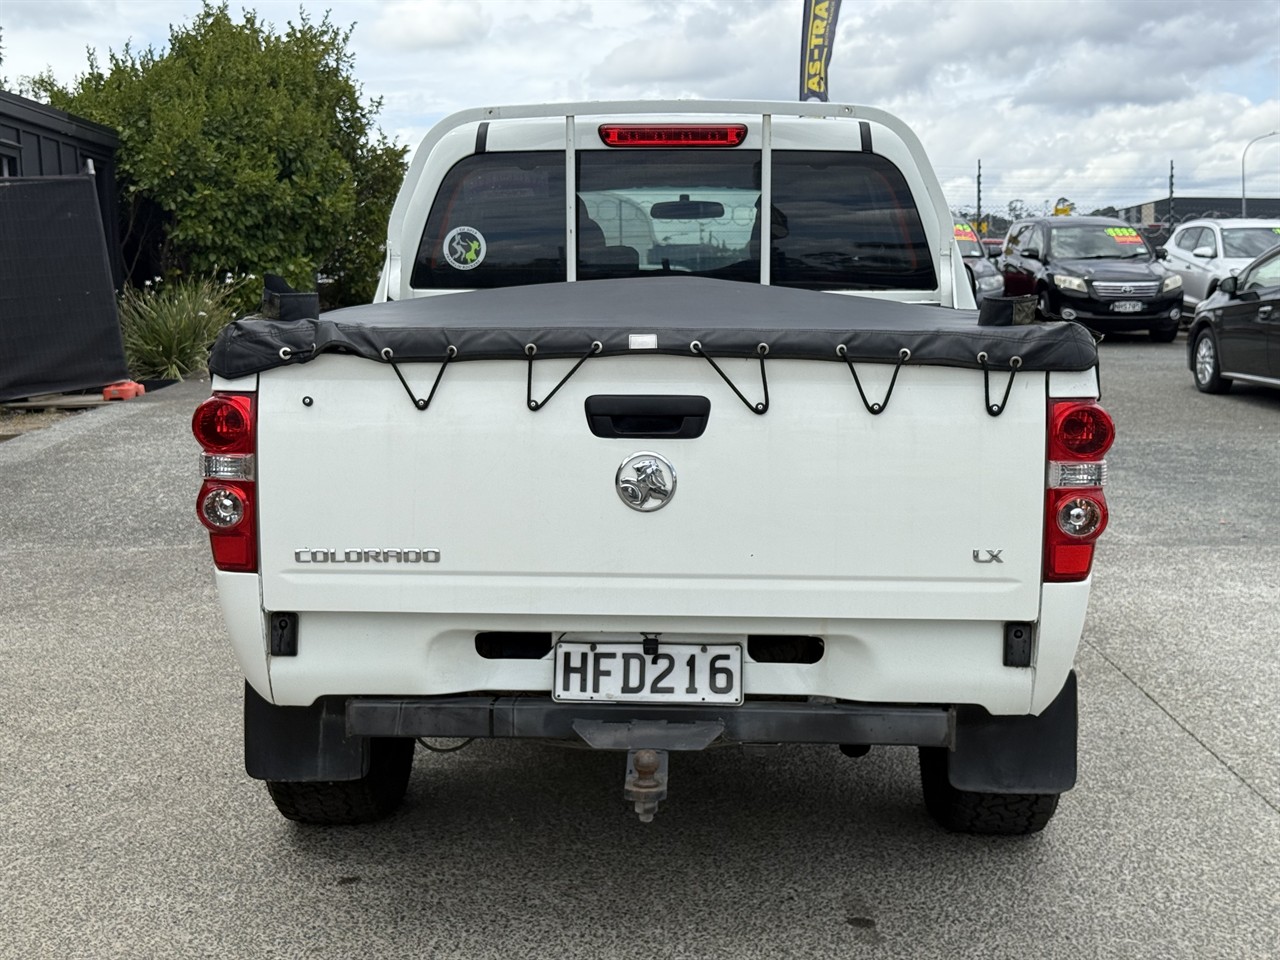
1201 251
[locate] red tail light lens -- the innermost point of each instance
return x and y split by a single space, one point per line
225 426
677 135
224 423
1079 430
1068 562
1075 510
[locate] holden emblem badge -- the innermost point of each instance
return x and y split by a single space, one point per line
646 482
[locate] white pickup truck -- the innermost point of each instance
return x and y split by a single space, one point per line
610 469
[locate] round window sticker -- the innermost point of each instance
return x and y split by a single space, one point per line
464 248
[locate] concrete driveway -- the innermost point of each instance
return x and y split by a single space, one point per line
130 829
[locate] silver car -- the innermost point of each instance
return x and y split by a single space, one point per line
1201 251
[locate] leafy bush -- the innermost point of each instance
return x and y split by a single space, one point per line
244 148
169 327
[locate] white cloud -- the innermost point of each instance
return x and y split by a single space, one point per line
1077 98
43 15
431 24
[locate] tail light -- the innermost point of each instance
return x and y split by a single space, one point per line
1075 515
673 135
225 426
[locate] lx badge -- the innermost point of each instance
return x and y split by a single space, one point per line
993 556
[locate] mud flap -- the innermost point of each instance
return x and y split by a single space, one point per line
1016 754
301 744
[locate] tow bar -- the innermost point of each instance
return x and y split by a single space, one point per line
647 743
646 781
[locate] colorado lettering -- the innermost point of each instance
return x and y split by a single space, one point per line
411 555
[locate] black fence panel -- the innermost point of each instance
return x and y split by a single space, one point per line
59 330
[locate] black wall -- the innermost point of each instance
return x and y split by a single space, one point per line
38 141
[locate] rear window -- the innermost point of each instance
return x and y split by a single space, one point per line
497 221
848 223
840 220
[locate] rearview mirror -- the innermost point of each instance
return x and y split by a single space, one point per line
1031 253
1228 285
686 209
1205 253
1162 253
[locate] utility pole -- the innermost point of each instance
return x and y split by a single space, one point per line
979 214
1172 220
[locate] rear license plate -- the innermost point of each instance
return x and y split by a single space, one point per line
623 672
1128 306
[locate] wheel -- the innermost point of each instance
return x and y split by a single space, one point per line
336 802
1163 334
1207 368
1208 372
965 811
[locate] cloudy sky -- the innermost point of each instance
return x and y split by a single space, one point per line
1075 98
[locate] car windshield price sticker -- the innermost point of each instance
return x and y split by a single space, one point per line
964 232
623 672
1125 235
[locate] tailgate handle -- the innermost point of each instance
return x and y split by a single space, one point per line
653 417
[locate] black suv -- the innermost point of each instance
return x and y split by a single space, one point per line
1095 270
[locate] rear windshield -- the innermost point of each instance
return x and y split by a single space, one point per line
840 220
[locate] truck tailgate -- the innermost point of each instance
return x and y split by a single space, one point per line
816 509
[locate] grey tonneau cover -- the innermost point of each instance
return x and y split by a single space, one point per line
663 314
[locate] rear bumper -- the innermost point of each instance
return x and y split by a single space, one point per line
330 740
754 722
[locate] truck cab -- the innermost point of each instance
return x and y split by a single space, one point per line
674 187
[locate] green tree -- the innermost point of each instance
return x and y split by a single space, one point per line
244 150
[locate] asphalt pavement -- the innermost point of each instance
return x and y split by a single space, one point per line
131 830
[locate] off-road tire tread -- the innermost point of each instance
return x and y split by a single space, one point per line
992 814
344 802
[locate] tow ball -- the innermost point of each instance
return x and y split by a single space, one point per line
647 743
646 782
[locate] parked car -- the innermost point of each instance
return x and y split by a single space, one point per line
505 566
1236 331
1201 251
984 278
1098 271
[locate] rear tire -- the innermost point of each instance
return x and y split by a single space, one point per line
1206 366
967 811
341 802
